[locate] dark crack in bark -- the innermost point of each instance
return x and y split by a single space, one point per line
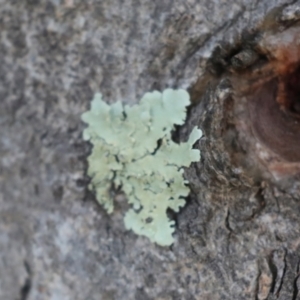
25 289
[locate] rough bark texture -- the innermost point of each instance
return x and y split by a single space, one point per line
239 235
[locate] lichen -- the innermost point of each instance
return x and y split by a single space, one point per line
133 149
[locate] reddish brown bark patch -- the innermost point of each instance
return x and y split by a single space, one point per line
276 128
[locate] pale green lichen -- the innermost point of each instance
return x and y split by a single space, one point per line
132 148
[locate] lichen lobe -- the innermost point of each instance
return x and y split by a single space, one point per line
126 153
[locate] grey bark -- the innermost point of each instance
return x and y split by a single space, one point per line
239 235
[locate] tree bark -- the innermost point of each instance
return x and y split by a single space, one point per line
238 236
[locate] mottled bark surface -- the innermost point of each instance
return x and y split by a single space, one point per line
239 235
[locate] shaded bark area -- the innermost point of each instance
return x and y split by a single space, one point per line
237 238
